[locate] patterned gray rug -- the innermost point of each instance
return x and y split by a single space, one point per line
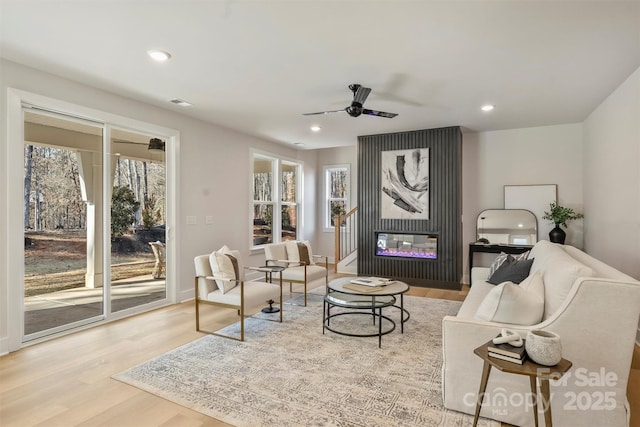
290 374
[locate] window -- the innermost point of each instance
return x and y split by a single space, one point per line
336 184
289 200
276 208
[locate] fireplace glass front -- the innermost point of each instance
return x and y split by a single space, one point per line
405 245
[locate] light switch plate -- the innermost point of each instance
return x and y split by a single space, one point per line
191 220
208 219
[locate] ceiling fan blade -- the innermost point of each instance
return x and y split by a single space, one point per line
323 112
361 94
379 113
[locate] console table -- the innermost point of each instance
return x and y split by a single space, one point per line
494 249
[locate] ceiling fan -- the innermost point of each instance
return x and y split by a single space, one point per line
360 94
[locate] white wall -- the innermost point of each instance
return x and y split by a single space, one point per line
326 157
612 178
214 174
540 155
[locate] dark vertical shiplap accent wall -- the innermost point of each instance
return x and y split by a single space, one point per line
445 176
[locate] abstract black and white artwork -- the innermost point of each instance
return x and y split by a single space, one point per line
405 184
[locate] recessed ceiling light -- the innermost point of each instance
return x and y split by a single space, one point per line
487 107
298 143
159 55
181 102
315 128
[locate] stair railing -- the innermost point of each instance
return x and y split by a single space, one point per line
346 238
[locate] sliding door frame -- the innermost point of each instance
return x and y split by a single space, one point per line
15 231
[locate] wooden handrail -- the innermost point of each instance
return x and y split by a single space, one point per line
343 248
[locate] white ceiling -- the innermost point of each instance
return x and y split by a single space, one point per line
256 66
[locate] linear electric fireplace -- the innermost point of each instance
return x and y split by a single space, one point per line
407 245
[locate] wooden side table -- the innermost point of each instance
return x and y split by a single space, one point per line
529 368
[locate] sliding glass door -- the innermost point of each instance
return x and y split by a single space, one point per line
94 222
62 220
138 218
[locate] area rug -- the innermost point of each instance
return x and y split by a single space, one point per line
291 374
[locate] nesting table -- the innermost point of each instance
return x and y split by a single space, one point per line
364 301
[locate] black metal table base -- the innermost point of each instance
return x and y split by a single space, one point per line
378 315
271 308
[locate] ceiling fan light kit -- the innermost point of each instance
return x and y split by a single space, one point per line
360 94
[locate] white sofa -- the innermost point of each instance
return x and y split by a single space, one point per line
595 310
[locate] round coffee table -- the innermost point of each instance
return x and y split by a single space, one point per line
394 288
364 300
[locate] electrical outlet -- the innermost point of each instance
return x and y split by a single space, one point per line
208 219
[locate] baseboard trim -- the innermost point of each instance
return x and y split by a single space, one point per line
4 346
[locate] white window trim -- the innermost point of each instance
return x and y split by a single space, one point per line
326 221
276 197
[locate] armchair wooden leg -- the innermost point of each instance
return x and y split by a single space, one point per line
242 323
197 306
197 316
281 305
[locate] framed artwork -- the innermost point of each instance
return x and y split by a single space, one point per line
535 198
405 184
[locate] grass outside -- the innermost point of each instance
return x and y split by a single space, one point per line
56 260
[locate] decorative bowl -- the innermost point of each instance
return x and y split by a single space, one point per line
543 347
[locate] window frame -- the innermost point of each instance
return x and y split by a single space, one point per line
327 170
276 202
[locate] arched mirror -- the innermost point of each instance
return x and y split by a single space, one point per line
507 227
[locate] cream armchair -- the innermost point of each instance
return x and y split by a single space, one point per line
215 286
298 260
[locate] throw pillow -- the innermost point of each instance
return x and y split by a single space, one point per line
299 252
511 271
500 259
303 254
513 304
225 264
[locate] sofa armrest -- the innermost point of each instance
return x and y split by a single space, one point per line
479 274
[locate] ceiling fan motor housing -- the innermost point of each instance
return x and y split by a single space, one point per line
355 109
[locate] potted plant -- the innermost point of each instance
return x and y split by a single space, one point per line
560 215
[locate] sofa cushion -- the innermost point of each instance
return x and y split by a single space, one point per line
474 297
511 270
559 272
225 264
513 304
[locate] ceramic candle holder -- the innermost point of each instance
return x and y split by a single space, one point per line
543 347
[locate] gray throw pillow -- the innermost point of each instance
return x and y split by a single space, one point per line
511 271
502 257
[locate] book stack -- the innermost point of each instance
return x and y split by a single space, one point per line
507 352
371 281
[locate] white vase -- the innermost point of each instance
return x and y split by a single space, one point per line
543 347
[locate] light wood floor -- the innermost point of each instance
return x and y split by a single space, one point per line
67 381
